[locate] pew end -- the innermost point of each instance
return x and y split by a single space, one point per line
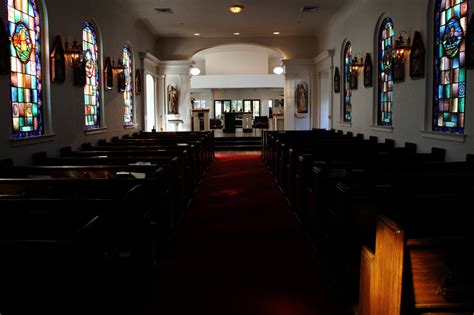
65 151
6 163
470 158
390 142
86 146
439 155
39 158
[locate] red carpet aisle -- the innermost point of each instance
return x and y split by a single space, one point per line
240 251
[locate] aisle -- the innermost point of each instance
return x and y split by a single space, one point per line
240 251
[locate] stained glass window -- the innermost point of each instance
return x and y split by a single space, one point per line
91 89
347 106
128 93
451 19
386 43
24 29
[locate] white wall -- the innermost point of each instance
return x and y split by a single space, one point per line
66 19
237 62
237 81
357 23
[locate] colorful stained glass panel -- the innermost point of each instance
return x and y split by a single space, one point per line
347 104
91 89
24 29
128 93
450 67
385 103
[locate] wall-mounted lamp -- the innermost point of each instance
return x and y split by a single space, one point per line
195 71
402 47
73 54
357 64
278 70
118 68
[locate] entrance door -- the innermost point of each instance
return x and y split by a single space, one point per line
325 100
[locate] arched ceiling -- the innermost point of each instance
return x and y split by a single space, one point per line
211 18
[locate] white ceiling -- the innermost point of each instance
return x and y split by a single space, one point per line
211 18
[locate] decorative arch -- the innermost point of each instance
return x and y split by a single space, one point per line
449 63
277 50
347 75
29 83
129 93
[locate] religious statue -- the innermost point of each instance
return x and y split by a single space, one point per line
302 98
172 100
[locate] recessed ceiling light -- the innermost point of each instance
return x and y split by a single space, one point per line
164 10
310 9
197 34
236 8
276 33
237 34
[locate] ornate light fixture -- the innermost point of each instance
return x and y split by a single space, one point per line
119 68
357 64
73 53
235 8
402 46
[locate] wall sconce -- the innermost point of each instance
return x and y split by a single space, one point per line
119 68
194 71
119 71
75 58
73 53
357 65
278 70
402 46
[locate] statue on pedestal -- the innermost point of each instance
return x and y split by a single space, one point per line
172 100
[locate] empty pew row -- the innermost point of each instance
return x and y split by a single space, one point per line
108 211
338 184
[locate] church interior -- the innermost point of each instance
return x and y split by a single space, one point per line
264 157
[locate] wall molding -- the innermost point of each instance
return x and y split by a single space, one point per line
451 137
328 53
32 140
382 128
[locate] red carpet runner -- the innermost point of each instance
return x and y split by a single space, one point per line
240 251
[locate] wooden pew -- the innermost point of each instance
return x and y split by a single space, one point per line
171 164
416 273
56 233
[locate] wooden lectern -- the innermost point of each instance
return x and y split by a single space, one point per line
229 122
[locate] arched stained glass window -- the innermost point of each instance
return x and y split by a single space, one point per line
24 30
91 89
128 93
385 95
451 20
347 106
